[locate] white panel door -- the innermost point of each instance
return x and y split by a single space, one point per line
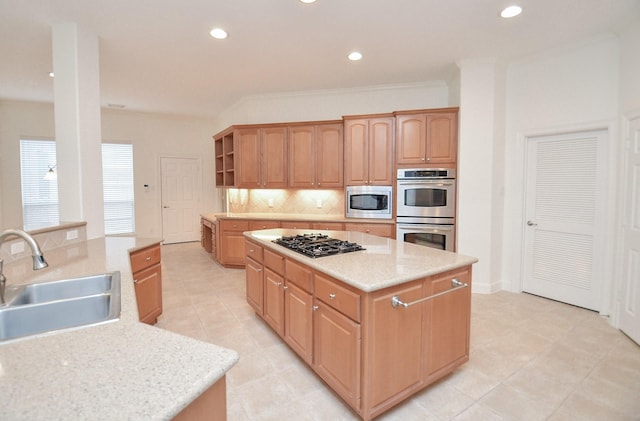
629 320
180 199
565 184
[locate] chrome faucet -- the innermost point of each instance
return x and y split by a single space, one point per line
38 258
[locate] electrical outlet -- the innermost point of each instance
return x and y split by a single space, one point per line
17 247
72 235
270 203
319 203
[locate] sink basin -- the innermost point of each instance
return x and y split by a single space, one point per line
50 306
64 289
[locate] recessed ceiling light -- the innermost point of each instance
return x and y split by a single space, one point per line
308 1
355 56
50 74
218 33
511 11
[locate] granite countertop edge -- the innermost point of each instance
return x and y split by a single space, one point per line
212 217
383 264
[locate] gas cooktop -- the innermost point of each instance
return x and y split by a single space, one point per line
317 245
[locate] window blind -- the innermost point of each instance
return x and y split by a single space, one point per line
117 179
39 195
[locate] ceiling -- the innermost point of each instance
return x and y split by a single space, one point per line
158 56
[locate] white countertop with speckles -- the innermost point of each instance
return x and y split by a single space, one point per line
120 370
384 263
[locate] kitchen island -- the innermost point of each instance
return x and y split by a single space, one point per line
376 325
117 370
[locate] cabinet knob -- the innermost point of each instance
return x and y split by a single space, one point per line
314 308
332 296
278 284
251 250
285 287
148 258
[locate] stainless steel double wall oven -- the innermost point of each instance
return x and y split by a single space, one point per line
426 207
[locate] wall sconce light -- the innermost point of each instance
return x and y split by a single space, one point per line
51 174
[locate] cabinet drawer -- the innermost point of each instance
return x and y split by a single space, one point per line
253 251
301 225
332 226
145 258
234 225
338 297
274 261
263 225
299 275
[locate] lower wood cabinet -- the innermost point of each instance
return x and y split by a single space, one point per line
232 253
210 405
372 354
147 280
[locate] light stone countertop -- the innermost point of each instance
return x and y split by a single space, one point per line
119 370
212 217
384 263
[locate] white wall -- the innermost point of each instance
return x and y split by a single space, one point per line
481 169
152 135
334 104
630 69
571 88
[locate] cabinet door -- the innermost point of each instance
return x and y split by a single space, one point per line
442 138
411 139
336 351
274 157
298 326
302 156
247 155
356 152
394 345
329 156
255 285
232 248
274 300
447 320
148 287
381 151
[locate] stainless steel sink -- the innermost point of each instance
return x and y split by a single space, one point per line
49 306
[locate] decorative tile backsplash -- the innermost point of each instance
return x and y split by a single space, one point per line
312 202
47 239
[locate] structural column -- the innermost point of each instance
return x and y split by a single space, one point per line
481 170
77 126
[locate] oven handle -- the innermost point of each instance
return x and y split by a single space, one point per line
418 227
418 183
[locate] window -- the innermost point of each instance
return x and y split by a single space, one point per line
117 180
39 194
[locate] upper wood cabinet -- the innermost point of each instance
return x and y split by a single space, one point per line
427 137
260 155
315 156
368 151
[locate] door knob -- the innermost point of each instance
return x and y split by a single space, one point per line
531 223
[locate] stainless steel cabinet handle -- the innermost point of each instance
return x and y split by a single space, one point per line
332 296
531 223
455 285
148 258
278 284
285 287
314 308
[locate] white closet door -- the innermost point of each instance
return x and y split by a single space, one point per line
630 303
564 191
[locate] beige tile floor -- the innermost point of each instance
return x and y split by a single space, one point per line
530 359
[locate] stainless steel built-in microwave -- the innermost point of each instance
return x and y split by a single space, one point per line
369 202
